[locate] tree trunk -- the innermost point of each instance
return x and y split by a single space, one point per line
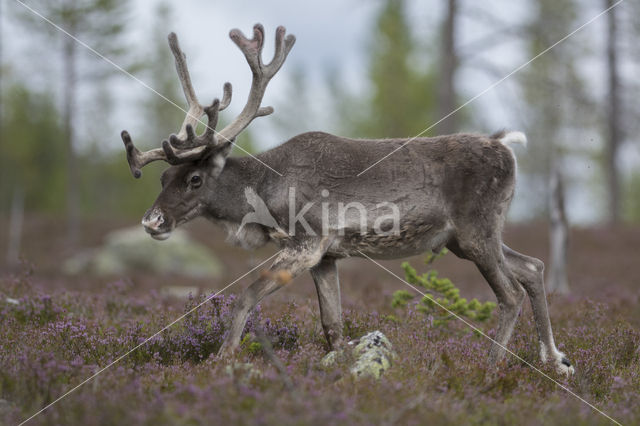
448 67
70 84
613 117
15 227
557 280
1 70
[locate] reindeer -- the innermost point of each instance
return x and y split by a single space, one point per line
447 191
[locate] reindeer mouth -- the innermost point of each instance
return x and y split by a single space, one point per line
157 225
160 236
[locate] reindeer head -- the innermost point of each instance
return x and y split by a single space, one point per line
197 160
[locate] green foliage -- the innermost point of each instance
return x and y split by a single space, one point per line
440 293
403 100
401 298
250 345
432 257
41 156
632 198
255 348
107 185
33 161
32 150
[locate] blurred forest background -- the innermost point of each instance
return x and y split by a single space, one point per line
61 106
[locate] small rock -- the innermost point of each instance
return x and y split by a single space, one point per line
373 354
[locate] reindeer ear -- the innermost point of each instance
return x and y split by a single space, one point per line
217 164
218 158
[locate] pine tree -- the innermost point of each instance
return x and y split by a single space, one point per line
441 297
32 151
558 105
402 100
101 25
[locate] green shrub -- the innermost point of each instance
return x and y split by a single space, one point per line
439 293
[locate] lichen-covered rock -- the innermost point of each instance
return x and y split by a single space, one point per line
372 354
329 359
132 250
371 364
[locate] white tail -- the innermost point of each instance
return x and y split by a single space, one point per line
513 138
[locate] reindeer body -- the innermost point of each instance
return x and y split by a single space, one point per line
422 180
311 197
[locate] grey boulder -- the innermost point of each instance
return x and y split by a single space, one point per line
132 250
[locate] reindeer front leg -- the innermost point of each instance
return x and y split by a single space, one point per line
271 280
325 277
290 263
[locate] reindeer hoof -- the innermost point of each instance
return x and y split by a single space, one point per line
564 367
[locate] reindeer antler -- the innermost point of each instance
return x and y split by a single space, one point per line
262 74
186 146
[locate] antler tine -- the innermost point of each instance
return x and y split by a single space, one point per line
283 47
264 111
138 159
209 136
180 156
199 146
252 48
262 74
226 97
195 110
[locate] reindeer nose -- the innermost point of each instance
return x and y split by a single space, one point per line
153 220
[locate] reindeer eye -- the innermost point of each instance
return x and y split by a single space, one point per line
195 181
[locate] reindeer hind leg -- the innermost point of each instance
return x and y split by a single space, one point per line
489 260
529 272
